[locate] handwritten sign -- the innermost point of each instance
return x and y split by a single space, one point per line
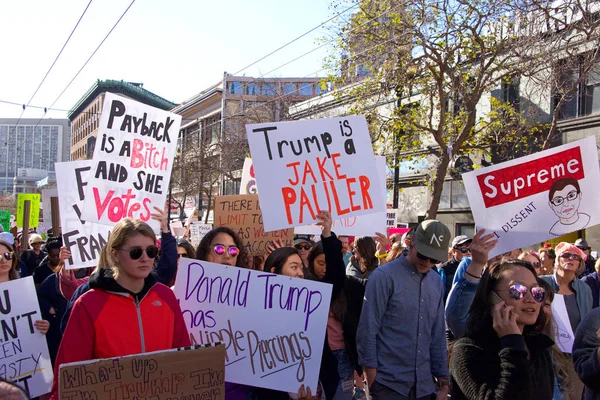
391 218
563 335
248 182
273 326
306 166
242 214
84 239
133 160
198 231
34 209
25 358
5 220
362 225
538 197
196 373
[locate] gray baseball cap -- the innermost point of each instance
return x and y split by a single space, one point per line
432 239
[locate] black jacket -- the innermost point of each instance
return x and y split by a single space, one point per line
488 368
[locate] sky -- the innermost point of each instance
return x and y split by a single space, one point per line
176 48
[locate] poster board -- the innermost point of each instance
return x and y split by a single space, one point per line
255 314
198 231
563 335
190 373
242 214
47 195
538 197
248 182
84 239
34 209
5 220
304 166
25 358
391 218
362 225
133 160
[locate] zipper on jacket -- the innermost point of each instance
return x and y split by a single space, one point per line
141 326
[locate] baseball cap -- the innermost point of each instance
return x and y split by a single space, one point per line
432 239
462 239
582 243
35 239
303 239
7 237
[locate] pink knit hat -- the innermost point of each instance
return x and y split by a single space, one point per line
564 247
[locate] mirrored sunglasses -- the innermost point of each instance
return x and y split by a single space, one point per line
136 252
7 256
517 292
465 250
220 249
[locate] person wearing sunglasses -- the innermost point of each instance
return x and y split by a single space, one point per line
304 244
564 199
403 298
533 258
503 355
461 247
583 245
128 311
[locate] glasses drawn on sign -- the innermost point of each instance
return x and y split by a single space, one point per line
564 200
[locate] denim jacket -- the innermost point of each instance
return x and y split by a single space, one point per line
457 307
583 293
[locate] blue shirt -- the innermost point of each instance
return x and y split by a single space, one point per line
460 271
402 329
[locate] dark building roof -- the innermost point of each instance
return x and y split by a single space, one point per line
134 91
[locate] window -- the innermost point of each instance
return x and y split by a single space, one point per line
465 229
231 187
235 88
305 89
454 195
510 91
252 89
584 98
268 89
289 89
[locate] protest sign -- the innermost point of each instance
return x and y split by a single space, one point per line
399 231
84 239
198 231
133 160
273 326
5 220
47 195
242 214
248 182
177 228
34 209
538 197
563 335
391 218
306 166
25 360
362 225
178 374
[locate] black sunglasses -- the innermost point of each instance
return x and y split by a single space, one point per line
465 250
7 256
431 260
305 247
136 252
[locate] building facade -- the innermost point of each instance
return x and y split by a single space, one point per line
30 145
85 114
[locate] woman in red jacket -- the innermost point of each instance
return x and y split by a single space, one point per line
126 311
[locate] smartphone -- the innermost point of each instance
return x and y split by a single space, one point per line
495 298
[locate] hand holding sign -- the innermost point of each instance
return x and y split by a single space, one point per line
481 246
162 217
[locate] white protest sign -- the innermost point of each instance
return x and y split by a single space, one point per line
391 218
25 360
84 239
306 166
248 182
177 228
362 225
273 326
538 197
198 231
133 159
47 195
563 336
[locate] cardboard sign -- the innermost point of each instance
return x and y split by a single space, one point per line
133 160
34 209
198 231
362 225
243 215
306 166
25 358
191 373
563 335
248 182
5 220
391 218
47 195
538 197
84 239
272 326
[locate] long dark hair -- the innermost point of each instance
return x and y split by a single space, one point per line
480 314
339 303
278 257
189 249
204 246
367 248
12 274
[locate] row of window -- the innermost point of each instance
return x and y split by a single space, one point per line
270 89
86 122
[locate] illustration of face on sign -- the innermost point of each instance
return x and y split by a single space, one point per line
564 199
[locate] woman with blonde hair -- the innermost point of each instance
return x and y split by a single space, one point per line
126 311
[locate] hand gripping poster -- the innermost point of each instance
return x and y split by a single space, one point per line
133 159
537 197
302 167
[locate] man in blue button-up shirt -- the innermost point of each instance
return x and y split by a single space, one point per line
401 335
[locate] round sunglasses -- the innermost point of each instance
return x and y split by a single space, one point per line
517 292
220 249
7 256
136 252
